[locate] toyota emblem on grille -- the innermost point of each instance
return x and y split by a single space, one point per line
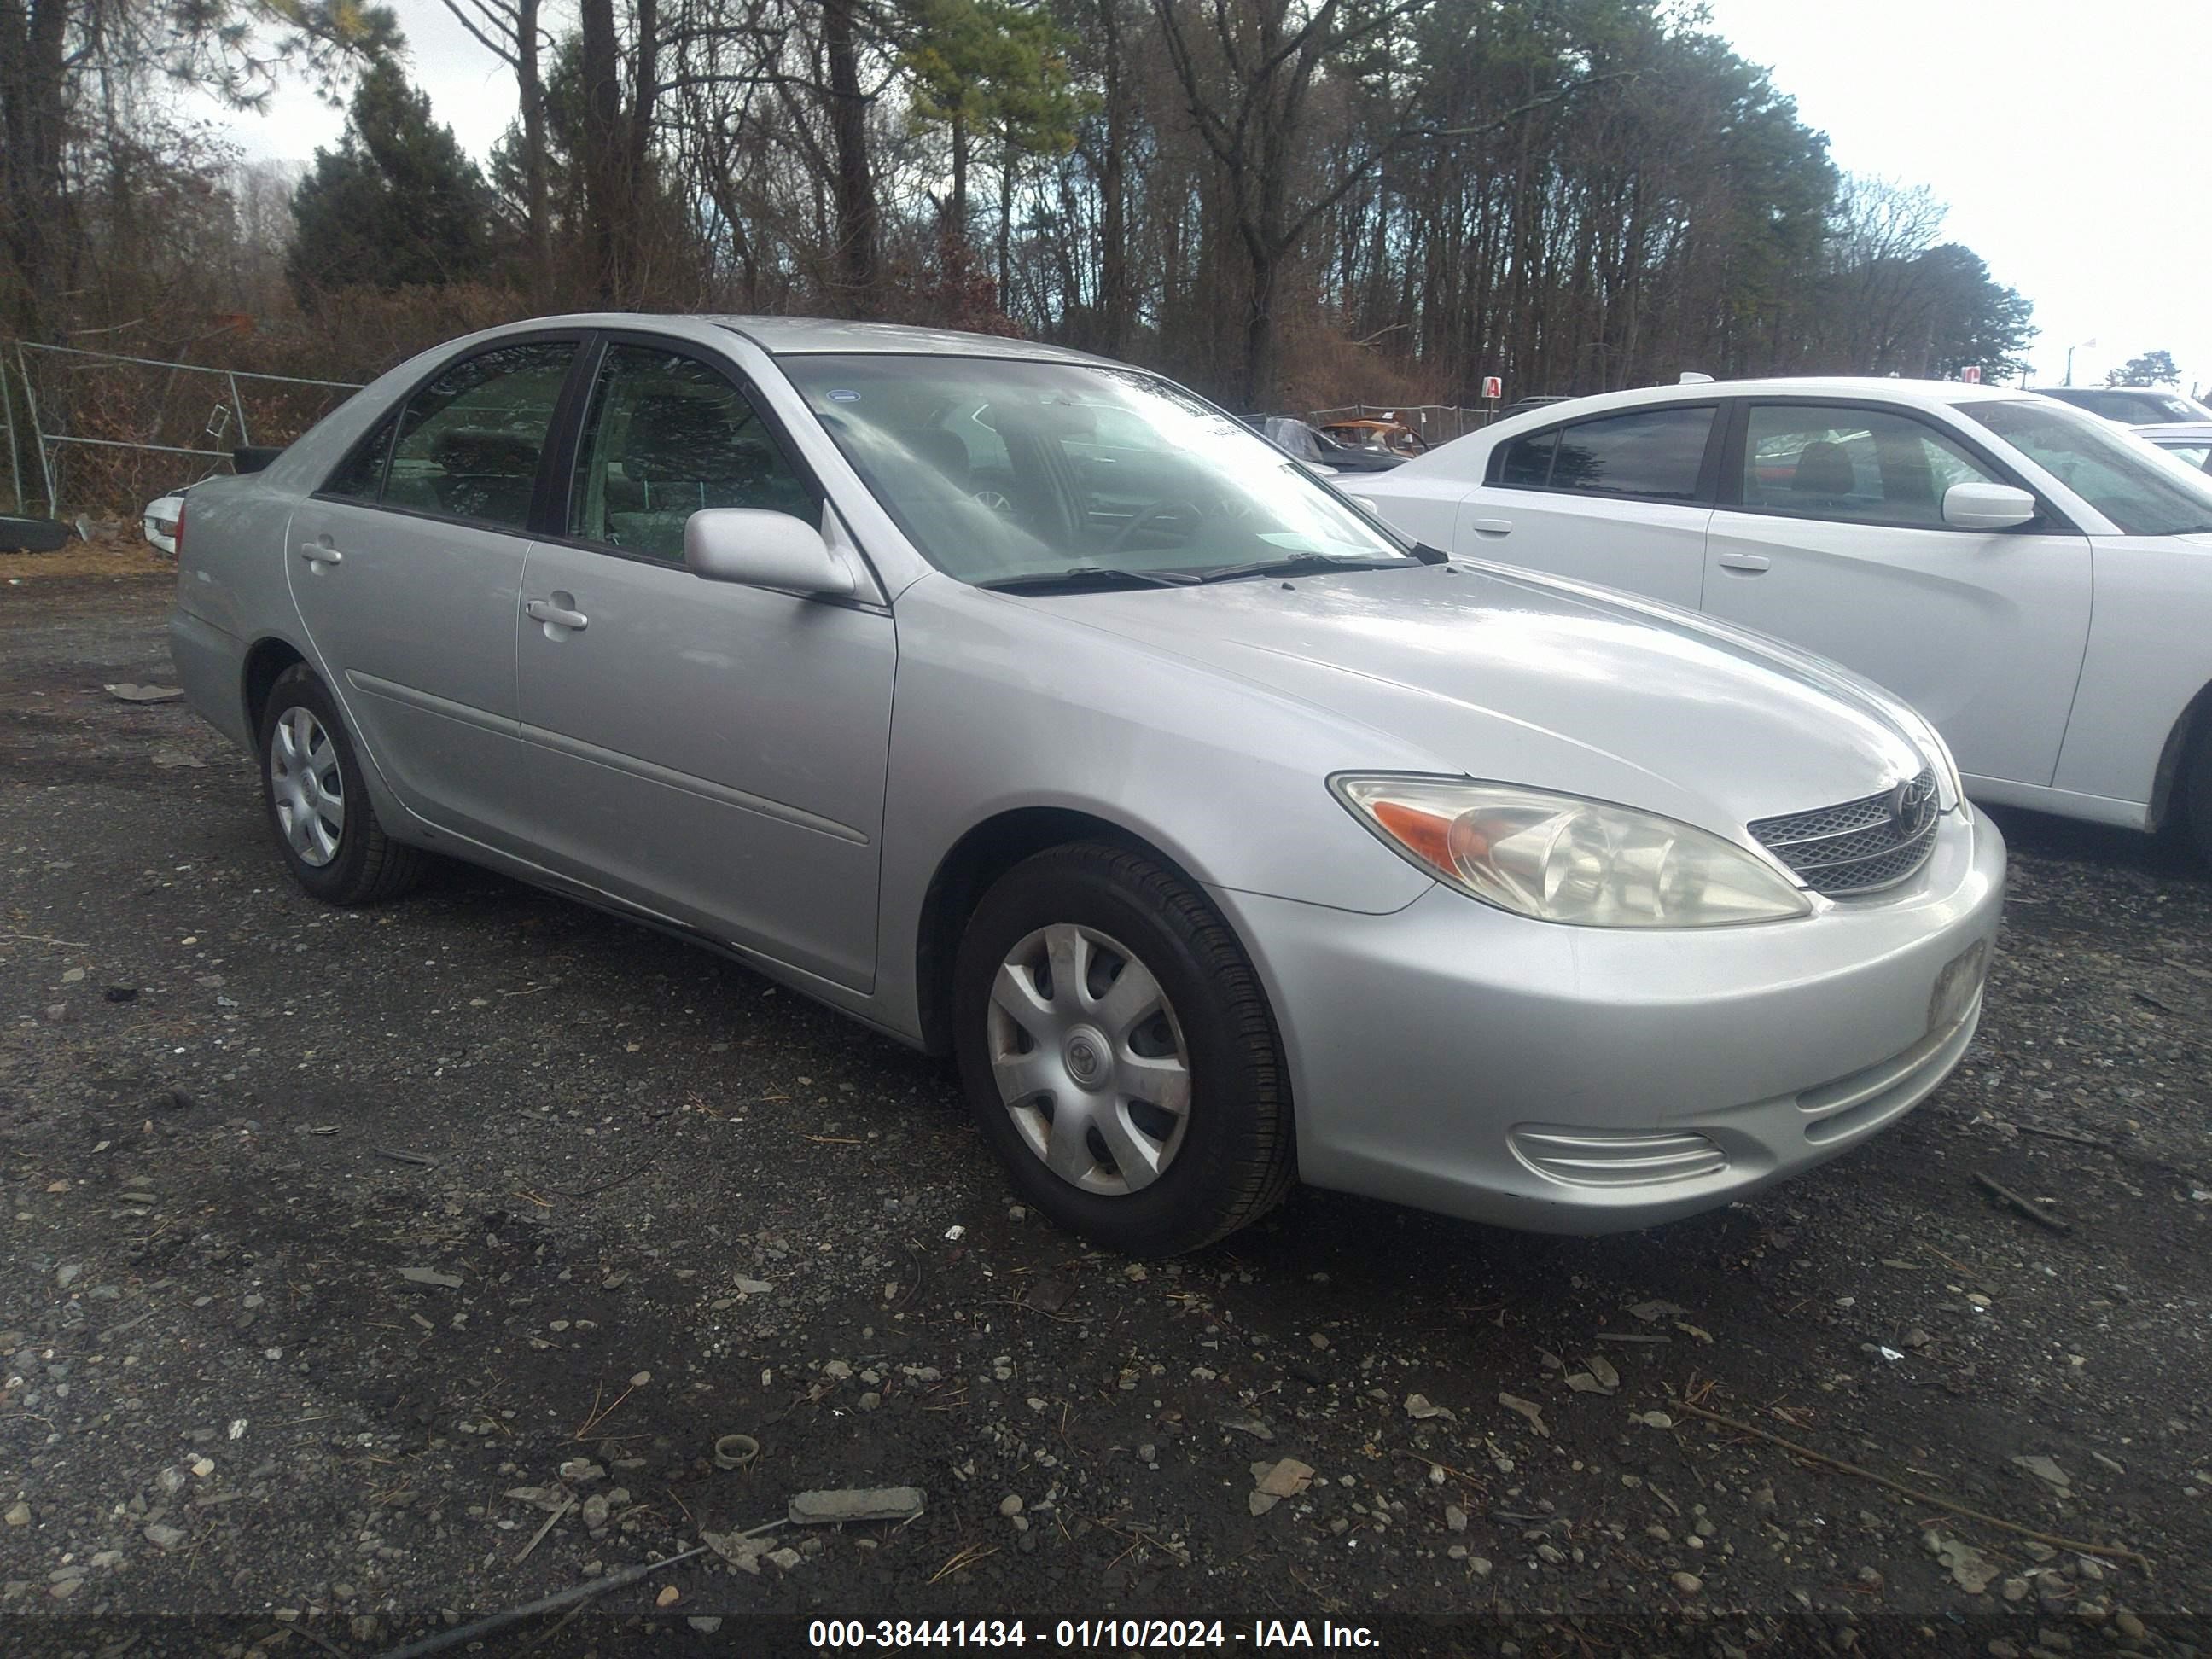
1900 798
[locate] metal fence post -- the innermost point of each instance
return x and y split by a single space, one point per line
237 407
38 436
8 413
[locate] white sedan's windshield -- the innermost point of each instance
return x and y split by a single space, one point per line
2142 492
1004 470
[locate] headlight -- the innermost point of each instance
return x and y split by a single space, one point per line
1557 858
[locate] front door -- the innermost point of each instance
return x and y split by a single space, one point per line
1837 542
407 570
712 752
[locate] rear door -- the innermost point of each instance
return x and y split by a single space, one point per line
1621 498
711 753
406 567
1830 534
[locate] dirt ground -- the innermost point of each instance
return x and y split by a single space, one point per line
371 1272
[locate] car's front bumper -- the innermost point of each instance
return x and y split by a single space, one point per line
1583 1080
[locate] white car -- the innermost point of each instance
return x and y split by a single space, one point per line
2038 581
2131 405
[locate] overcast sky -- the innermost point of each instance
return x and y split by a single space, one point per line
2061 132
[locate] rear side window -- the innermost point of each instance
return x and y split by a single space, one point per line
1526 461
468 444
1653 454
360 476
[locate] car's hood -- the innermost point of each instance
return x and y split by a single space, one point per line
1502 675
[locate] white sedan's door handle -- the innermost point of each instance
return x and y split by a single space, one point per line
1491 526
555 616
320 553
1752 562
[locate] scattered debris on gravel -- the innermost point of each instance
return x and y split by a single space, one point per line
373 1273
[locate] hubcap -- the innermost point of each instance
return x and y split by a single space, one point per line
1089 1059
305 782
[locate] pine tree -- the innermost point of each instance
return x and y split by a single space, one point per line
397 203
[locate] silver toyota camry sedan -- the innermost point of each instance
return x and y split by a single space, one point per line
1034 711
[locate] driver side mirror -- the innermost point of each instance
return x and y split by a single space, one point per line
1986 507
760 548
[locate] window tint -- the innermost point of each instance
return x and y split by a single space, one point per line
2112 469
665 437
1852 465
468 443
1653 452
361 475
1527 461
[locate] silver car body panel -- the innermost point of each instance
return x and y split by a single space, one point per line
785 778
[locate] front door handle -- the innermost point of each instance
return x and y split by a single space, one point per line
555 616
1491 526
1752 562
320 553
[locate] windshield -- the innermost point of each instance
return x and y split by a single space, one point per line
1000 470
2142 491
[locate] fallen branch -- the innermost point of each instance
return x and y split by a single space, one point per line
2026 1207
2066 1135
584 1592
2111 1552
539 1536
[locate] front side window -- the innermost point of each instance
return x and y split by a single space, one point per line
666 436
1854 465
1654 453
1009 471
2142 492
468 444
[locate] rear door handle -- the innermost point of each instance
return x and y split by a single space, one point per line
555 616
1491 526
320 553
1752 563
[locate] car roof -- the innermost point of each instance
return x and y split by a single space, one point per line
800 335
2154 430
1858 388
788 337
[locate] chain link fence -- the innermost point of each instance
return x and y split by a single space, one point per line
1438 423
99 429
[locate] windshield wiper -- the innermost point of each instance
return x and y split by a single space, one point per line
1076 578
1297 564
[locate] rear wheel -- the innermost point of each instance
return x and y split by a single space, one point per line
2197 793
1118 1055
320 814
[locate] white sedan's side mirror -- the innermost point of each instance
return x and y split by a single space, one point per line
762 550
1986 507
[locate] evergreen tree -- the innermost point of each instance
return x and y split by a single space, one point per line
397 203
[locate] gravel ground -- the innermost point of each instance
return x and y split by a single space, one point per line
372 1271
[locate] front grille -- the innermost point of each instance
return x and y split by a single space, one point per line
1874 842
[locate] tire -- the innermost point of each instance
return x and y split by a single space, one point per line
2197 794
1193 1030
320 812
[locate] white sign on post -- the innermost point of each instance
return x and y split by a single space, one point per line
1493 387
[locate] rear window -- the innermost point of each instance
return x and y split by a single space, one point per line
1656 453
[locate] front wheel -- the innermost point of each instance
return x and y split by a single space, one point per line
323 822
1118 1053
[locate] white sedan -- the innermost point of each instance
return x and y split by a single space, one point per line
2037 581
